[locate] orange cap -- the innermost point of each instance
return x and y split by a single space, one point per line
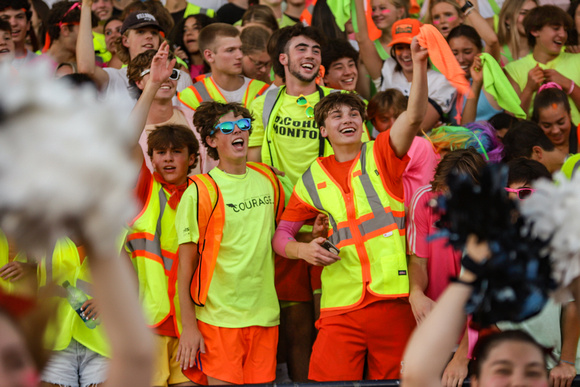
404 30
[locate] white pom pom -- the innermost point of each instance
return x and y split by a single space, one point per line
64 161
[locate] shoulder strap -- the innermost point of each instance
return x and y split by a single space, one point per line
202 91
269 173
269 103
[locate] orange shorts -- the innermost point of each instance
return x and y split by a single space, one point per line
296 279
239 355
377 333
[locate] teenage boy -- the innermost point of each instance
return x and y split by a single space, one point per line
527 139
226 267
221 47
340 59
140 32
6 42
547 31
365 317
62 32
162 111
286 137
17 13
152 241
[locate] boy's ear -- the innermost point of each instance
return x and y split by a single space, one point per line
208 55
537 153
211 141
283 59
323 132
535 33
192 159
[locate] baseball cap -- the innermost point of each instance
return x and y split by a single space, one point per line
139 19
404 30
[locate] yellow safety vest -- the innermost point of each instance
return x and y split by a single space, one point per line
152 245
206 90
101 47
367 225
64 264
8 286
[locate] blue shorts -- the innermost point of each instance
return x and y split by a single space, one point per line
76 366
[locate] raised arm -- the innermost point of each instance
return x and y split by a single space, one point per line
408 123
160 70
86 50
368 52
470 109
484 30
423 360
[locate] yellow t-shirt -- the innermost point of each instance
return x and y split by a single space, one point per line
566 64
241 292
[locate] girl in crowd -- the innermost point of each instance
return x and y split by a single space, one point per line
112 31
385 13
511 32
397 71
184 37
552 114
466 45
445 15
260 15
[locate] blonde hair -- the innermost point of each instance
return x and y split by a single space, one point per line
507 32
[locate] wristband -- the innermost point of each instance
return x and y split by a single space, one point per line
571 89
568 362
467 6
466 13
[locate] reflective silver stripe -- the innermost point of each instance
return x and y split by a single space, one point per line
269 102
202 90
85 286
154 246
381 218
337 234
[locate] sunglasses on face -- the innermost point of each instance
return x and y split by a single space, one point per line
228 127
175 74
302 101
523 193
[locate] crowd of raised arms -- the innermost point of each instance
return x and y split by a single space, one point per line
290 153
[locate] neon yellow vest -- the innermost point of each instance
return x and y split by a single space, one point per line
152 245
206 90
367 225
193 9
64 265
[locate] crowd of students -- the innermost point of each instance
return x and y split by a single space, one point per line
288 158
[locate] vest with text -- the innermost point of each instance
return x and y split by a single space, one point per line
211 220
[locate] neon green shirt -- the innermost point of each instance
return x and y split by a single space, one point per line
566 64
241 292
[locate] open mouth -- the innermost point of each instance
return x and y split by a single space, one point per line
148 46
308 66
238 143
169 169
348 80
348 130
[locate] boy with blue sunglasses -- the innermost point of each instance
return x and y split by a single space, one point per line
230 329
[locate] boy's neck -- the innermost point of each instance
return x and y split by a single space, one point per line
227 82
60 54
161 111
542 56
344 153
233 166
293 11
296 87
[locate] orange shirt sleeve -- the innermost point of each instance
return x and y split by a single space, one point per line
143 184
391 166
297 210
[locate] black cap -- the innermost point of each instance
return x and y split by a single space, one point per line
139 19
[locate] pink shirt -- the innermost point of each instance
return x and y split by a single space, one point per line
442 260
421 168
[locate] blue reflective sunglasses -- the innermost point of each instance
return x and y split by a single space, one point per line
227 127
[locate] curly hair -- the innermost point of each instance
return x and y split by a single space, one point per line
207 116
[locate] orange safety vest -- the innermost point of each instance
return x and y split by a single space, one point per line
211 220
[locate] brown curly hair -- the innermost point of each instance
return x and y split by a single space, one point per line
208 114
